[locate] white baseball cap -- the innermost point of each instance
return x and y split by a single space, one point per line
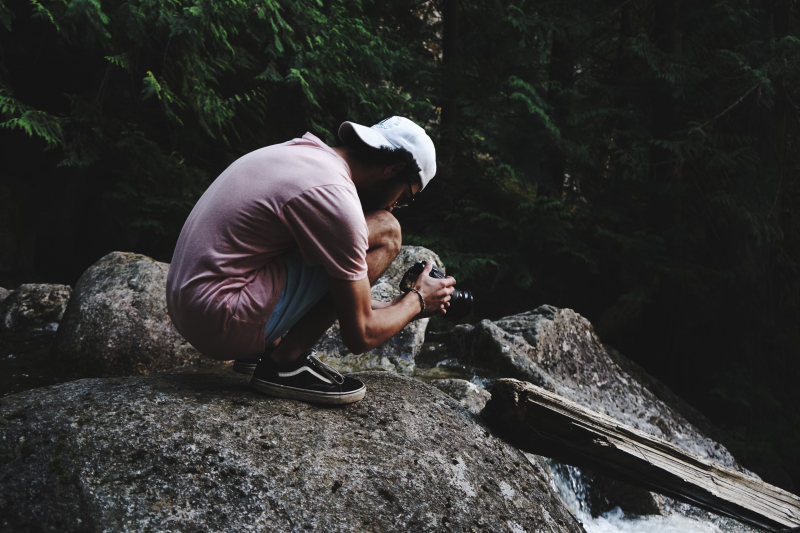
394 133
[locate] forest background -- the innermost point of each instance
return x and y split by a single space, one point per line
635 160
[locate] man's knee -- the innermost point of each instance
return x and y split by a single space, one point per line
384 232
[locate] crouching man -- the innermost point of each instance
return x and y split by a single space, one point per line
290 237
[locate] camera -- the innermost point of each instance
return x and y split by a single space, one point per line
460 302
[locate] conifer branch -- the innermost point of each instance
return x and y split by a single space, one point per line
729 108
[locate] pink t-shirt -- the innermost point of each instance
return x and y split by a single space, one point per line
227 274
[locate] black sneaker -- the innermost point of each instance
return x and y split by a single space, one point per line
308 379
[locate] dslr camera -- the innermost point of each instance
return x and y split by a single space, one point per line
460 302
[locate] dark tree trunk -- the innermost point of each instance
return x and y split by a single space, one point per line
451 59
667 36
562 73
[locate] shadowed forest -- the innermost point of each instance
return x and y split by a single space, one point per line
634 160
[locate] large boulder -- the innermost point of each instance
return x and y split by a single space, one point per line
559 350
201 452
116 322
397 353
33 308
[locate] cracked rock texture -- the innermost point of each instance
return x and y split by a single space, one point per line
33 307
192 452
116 322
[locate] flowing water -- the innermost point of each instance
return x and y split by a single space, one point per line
569 484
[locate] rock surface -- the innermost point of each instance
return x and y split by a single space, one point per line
199 451
559 350
468 394
34 308
4 294
397 353
116 322
190 452
29 319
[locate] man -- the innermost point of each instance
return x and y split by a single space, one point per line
290 237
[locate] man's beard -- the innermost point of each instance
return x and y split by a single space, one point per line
372 200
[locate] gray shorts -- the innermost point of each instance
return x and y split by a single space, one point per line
305 286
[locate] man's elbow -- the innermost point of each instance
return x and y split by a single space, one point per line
357 342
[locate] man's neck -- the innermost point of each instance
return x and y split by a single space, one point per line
359 172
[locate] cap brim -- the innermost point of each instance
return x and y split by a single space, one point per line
368 135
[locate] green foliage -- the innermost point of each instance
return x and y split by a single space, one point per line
34 122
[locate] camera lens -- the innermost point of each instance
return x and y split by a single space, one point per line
460 304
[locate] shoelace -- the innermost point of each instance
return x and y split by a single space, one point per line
327 371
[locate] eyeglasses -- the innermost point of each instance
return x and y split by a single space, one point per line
401 203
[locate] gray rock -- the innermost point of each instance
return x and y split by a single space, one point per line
34 308
559 350
405 259
468 394
29 319
397 353
116 322
4 294
191 452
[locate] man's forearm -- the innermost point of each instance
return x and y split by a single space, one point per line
366 323
363 326
380 304
384 322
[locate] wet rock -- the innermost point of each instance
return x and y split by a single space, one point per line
468 394
116 322
33 308
397 353
192 452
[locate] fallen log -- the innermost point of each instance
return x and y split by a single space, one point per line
545 423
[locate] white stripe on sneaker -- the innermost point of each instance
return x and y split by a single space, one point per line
307 369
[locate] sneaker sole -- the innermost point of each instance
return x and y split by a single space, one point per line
292 393
244 367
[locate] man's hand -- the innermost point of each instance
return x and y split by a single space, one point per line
435 291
